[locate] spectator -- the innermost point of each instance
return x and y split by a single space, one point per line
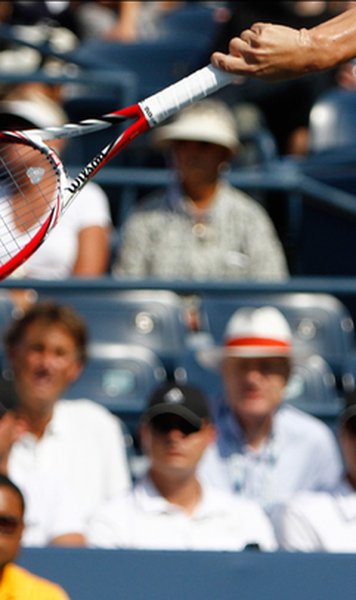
170 508
324 521
124 22
80 244
16 582
79 441
52 515
201 227
266 450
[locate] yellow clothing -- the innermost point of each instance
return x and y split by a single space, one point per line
19 584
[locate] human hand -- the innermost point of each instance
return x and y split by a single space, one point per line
268 52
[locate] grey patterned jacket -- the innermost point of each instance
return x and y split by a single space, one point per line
235 240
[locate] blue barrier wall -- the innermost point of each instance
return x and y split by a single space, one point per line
154 575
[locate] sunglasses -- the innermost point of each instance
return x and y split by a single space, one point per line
9 525
163 424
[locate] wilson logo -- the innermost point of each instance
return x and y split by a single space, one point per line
81 179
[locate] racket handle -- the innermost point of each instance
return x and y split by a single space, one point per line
202 83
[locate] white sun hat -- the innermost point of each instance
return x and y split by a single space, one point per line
251 332
39 110
205 121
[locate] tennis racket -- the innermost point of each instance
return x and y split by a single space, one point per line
34 188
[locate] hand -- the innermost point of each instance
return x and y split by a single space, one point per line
268 52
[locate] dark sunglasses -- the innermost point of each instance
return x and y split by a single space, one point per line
163 424
9 525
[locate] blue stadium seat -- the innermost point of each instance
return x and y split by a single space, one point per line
320 323
192 19
7 311
156 64
153 319
121 377
332 121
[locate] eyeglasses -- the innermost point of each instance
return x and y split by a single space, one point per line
163 424
9 525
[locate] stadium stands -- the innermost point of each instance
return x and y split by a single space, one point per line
320 233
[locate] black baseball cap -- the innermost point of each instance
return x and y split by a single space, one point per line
186 401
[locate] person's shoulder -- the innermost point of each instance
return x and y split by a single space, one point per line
299 422
118 507
33 587
84 408
239 200
230 502
309 504
155 202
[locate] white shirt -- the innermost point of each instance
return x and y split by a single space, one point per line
318 522
301 454
51 508
56 258
143 519
83 444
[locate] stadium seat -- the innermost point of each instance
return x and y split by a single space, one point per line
320 323
121 377
332 121
7 311
157 64
149 318
192 19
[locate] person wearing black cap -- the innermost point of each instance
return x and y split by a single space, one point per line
169 508
324 521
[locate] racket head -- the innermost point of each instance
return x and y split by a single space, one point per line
31 180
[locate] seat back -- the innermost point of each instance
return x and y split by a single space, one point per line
156 64
332 121
121 377
150 318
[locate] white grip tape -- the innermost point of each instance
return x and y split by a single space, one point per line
160 106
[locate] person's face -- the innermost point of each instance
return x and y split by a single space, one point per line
254 386
199 162
173 445
45 362
11 525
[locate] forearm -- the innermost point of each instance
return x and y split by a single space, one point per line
332 42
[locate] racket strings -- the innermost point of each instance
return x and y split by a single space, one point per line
28 186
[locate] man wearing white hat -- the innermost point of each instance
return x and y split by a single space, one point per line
201 227
266 450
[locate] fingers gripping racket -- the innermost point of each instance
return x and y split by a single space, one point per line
34 188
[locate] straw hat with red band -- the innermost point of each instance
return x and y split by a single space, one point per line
251 332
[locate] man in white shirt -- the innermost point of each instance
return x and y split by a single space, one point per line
170 508
324 521
266 450
52 514
79 441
